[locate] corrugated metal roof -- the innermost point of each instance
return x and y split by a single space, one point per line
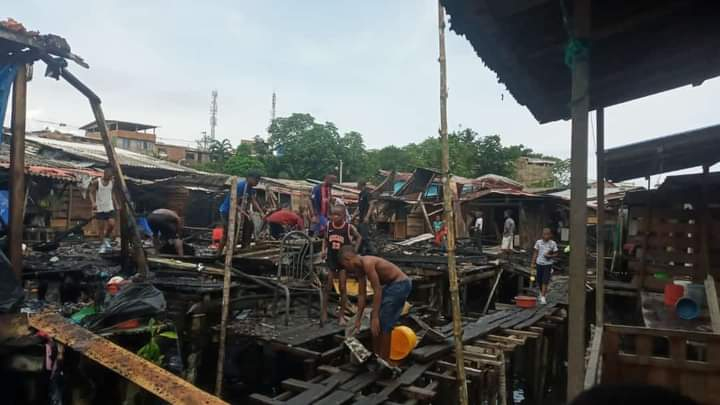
96 153
501 192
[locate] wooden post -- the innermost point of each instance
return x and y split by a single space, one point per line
17 170
229 247
126 201
449 218
705 222
492 291
579 105
69 206
599 234
124 239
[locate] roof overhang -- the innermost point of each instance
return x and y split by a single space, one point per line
637 48
699 147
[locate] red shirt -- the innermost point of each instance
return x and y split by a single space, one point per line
286 217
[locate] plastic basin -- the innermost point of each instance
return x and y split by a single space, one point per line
525 301
402 342
686 308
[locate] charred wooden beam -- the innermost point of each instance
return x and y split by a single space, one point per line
147 375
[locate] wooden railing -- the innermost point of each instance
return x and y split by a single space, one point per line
688 362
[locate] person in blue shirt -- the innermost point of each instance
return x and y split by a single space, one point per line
245 188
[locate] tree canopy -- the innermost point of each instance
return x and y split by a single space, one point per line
299 147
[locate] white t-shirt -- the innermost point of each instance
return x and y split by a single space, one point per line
478 224
103 197
542 248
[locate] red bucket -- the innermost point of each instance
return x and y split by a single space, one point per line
673 293
217 234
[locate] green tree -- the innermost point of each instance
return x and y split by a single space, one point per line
220 151
304 148
388 158
239 164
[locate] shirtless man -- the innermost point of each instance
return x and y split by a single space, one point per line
166 226
391 286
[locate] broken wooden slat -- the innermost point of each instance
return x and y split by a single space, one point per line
337 398
406 378
320 390
593 366
147 375
483 326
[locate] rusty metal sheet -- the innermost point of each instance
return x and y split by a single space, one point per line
147 375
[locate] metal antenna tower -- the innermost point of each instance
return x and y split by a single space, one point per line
272 111
213 113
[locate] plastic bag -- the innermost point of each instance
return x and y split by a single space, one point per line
136 300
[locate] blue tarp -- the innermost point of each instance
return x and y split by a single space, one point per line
4 208
7 76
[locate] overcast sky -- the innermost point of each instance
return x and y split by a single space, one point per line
369 66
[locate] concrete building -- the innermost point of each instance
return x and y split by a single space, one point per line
141 138
181 154
131 136
533 171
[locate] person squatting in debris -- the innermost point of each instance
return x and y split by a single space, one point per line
339 233
166 226
283 220
543 254
508 239
245 190
391 289
103 205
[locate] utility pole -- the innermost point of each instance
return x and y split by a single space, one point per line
213 113
450 219
341 171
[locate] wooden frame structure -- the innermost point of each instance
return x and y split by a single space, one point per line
614 51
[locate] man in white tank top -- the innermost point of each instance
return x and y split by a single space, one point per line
103 204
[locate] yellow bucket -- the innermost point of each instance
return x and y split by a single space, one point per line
402 342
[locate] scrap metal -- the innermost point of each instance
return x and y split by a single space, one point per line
147 375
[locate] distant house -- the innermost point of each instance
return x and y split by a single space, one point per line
141 138
533 171
181 154
130 136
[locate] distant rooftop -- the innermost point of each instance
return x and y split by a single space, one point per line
122 125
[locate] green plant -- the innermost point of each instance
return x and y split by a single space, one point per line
151 350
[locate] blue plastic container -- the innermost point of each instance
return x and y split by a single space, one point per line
687 308
696 292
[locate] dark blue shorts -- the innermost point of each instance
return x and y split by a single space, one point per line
104 216
393 300
543 273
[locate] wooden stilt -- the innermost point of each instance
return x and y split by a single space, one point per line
230 247
600 234
579 105
69 206
17 171
449 217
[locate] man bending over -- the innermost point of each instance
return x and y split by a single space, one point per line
391 286
166 226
